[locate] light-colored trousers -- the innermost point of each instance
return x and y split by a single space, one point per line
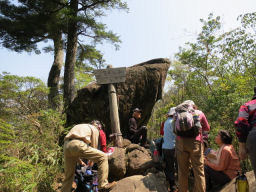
75 149
190 150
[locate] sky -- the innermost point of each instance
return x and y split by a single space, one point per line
151 29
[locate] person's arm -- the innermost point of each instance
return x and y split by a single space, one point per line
223 161
94 137
242 151
204 122
81 162
133 125
242 129
242 125
162 129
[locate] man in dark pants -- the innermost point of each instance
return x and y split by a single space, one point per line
137 135
169 151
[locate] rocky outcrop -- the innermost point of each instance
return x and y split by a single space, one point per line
117 164
139 183
143 88
133 160
139 160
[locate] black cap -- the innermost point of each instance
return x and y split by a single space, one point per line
136 110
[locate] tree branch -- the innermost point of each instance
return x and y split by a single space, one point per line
85 7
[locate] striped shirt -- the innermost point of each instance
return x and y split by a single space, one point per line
246 120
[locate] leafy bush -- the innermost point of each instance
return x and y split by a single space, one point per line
29 134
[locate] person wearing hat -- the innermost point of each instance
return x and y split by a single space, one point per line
137 135
189 151
82 142
245 125
168 148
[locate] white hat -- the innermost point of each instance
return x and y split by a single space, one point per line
171 111
189 102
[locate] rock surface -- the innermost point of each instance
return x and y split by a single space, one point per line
139 183
139 160
230 187
117 164
133 160
143 88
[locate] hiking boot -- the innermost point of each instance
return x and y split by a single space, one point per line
107 187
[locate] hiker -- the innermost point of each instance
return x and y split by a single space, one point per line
246 130
79 175
190 149
225 166
137 135
82 142
168 149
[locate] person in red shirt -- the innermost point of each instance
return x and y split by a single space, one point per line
102 136
162 125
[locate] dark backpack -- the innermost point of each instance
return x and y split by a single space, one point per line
186 121
87 180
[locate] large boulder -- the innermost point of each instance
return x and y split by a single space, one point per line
139 160
143 88
139 183
117 164
133 160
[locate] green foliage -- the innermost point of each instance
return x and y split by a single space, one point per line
217 72
26 23
29 134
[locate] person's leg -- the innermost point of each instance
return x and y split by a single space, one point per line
98 157
69 167
251 147
169 168
197 161
183 166
217 177
207 178
135 138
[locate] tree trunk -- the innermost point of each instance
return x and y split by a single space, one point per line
69 72
54 75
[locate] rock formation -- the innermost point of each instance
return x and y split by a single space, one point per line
132 160
143 88
139 183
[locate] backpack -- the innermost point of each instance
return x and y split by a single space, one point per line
186 121
86 179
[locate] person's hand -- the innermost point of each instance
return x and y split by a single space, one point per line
83 163
242 151
90 164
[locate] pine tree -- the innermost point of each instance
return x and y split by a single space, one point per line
29 22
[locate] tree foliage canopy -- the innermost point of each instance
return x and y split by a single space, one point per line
217 72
